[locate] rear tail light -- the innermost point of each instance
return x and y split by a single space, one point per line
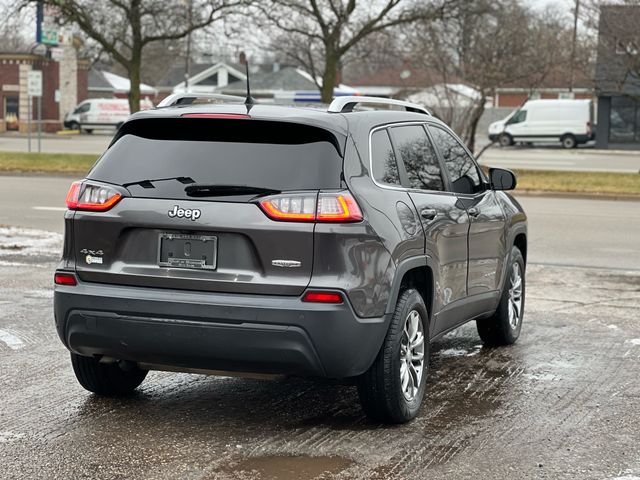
87 196
338 207
322 297
68 279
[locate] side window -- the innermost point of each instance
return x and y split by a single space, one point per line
519 117
419 157
460 166
384 164
83 108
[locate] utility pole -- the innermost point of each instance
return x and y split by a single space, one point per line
573 44
187 67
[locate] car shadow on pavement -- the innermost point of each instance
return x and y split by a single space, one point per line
229 402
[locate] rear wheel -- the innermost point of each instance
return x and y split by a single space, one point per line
503 327
569 141
89 130
74 126
106 378
505 140
392 389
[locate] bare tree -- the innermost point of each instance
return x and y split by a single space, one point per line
489 43
318 34
12 37
123 28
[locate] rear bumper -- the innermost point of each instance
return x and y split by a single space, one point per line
217 331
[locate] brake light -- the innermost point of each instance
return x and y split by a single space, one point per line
87 196
68 279
338 207
216 115
322 297
311 207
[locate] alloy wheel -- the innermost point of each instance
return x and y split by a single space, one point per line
412 355
515 296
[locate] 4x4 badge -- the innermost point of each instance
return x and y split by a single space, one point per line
176 211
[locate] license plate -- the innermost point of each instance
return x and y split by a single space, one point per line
188 251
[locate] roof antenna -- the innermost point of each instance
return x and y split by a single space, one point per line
249 101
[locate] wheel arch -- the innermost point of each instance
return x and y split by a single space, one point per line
415 273
520 241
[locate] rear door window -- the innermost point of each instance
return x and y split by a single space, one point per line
254 153
418 156
384 163
462 170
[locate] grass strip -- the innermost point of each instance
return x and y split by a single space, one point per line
60 163
579 182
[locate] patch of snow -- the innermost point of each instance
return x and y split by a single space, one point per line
10 436
453 352
542 377
612 327
16 241
10 340
634 341
122 84
451 334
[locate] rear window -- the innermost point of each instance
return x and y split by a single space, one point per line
275 155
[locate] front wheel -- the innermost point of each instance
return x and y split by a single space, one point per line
391 391
106 378
503 327
505 140
569 141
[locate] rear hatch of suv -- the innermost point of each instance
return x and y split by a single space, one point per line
184 203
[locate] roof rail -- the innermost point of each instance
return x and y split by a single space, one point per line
346 104
189 98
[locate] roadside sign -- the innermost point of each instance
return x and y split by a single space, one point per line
56 53
34 83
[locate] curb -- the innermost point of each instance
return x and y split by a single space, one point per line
582 195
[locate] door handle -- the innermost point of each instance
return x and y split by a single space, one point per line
473 212
428 213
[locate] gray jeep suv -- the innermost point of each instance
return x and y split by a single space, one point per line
280 240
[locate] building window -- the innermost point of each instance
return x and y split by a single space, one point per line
624 120
626 47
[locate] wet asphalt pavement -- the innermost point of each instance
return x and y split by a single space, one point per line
563 403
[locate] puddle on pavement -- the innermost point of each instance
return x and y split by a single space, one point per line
292 468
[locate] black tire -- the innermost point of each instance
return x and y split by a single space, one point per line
569 141
107 379
380 388
499 329
74 126
505 140
89 130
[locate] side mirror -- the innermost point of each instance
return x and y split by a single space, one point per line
502 179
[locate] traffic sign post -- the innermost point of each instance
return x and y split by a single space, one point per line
34 89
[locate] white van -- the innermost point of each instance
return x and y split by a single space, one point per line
567 121
100 113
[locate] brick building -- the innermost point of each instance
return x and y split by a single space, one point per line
618 77
64 84
554 86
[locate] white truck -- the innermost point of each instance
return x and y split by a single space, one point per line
100 113
569 122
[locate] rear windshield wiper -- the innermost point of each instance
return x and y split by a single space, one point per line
149 183
212 190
